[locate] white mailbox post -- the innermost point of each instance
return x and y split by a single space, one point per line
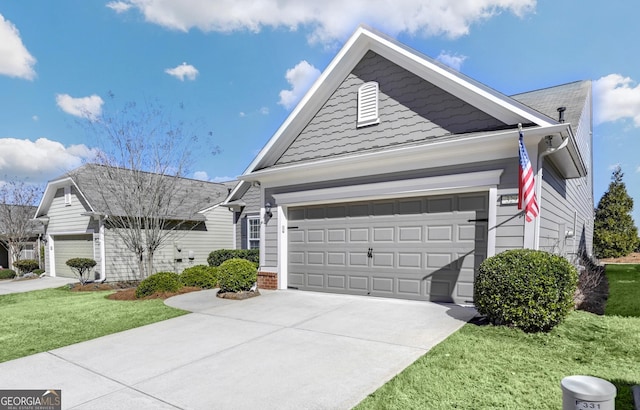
587 392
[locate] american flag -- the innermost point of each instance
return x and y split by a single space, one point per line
526 191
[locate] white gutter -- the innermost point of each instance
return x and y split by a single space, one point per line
548 151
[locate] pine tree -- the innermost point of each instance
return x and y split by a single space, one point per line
615 234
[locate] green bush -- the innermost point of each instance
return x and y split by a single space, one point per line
7 274
201 276
38 271
81 267
531 290
236 275
216 258
159 282
26 265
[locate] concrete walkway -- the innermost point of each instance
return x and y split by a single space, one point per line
45 282
281 350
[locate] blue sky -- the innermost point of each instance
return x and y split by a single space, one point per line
236 68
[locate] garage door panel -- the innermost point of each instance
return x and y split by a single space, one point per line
337 282
296 279
358 259
359 283
435 205
337 235
440 233
71 246
359 235
382 260
411 287
471 203
315 258
383 234
382 284
421 248
315 280
337 259
410 234
409 260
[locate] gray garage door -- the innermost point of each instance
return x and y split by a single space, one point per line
71 246
415 248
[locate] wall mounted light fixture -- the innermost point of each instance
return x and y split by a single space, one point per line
267 209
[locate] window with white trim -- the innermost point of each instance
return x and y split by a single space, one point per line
253 233
368 104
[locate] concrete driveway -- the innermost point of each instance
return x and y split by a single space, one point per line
281 350
45 282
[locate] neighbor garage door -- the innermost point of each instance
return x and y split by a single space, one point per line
71 246
414 248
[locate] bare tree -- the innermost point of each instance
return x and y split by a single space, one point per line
18 202
139 177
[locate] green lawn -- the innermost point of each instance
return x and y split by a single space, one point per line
489 367
624 290
42 320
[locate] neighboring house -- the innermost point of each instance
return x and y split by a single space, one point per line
76 214
34 231
397 176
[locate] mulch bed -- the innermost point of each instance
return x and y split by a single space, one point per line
631 258
130 294
127 290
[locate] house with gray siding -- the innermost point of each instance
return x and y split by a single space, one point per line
76 213
396 176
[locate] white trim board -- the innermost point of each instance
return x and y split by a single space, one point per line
466 182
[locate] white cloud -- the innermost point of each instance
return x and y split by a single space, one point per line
40 160
222 179
119 6
616 98
182 71
452 60
35 118
300 78
201 175
15 59
329 20
242 114
264 110
83 107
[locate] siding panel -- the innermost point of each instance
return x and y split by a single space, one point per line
410 109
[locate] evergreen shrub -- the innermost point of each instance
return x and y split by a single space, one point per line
201 276
237 275
159 282
527 289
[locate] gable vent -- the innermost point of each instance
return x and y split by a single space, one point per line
368 104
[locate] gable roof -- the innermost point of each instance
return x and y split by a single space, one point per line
365 39
535 110
195 196
20 212
572 96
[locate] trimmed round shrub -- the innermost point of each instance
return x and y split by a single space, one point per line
237 275
217 257
201 276
81 267
26 265
7 274
159 282
527 289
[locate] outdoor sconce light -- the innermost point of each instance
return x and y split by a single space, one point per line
267 209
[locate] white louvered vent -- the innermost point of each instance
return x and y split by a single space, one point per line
368 104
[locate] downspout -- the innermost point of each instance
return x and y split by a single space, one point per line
548 151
